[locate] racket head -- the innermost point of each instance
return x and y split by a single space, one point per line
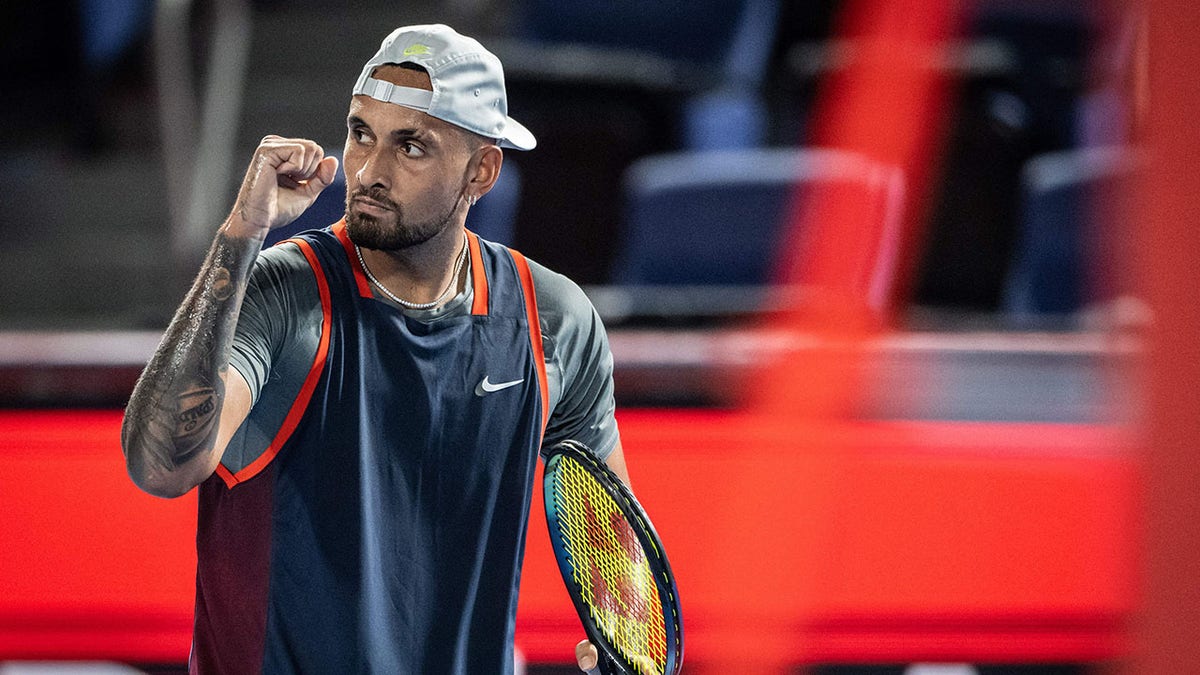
612 562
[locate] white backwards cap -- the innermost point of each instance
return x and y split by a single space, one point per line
468 82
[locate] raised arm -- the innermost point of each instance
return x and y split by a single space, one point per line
187 402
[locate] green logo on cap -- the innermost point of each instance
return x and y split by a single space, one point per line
416 50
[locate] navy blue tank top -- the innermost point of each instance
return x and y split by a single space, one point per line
383 529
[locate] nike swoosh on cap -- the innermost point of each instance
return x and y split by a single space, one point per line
485 386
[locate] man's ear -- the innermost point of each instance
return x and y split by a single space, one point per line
484 170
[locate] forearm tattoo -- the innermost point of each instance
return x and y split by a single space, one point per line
173 412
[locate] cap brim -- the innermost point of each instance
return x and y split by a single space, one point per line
517 137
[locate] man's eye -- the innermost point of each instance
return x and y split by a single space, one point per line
360 136
412 149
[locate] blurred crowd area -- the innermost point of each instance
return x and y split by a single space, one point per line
126 126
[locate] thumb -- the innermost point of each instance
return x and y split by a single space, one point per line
325 173
587 657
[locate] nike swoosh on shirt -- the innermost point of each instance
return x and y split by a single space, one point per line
486 387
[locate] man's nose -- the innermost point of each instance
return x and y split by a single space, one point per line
374 171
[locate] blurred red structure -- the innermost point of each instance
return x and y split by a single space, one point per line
1169 101
888 105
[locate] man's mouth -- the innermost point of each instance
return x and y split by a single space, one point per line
370 206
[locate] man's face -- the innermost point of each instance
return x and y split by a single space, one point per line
405 171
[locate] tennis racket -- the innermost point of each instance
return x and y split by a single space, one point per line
613 564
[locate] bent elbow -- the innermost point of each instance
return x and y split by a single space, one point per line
147 464
160 484
166 487
157 481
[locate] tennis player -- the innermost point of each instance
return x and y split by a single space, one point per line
363 406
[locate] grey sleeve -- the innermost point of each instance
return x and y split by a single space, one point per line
579 365
280 287
274 347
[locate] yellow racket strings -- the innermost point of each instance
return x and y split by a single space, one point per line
610 567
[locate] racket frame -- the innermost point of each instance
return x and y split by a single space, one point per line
647 536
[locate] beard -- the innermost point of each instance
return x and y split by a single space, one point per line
393 231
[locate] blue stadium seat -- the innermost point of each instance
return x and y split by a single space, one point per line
112 27
724 44
1066 199
717 217
705 34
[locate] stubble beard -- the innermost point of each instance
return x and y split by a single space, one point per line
393 232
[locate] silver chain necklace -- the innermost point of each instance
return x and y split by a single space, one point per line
462 257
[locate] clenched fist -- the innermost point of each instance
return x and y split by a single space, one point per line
284 178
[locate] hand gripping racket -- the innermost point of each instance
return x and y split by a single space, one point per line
613 564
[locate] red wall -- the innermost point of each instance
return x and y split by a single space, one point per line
865 541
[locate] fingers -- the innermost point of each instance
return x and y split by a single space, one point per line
284 178
587 657
295 158
322 175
